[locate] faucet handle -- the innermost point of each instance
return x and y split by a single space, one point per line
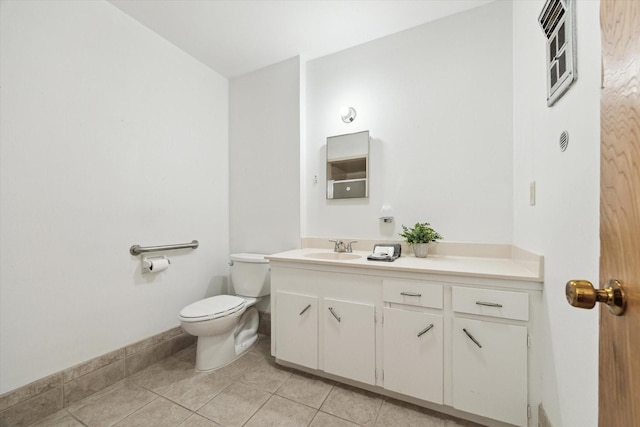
349 245
339 245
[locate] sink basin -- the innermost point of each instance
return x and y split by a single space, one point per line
340 256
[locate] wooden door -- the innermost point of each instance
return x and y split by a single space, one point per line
619 388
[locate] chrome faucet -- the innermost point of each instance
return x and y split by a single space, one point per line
340 246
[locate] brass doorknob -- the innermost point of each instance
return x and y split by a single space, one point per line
581 294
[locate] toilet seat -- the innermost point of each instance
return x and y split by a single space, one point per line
212 308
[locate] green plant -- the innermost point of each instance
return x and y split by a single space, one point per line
420 233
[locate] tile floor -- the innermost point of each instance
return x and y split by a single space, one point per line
252 391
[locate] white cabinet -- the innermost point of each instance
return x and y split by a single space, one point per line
413 353
325 321
297 325
413 348
457 343
490 370
491 302
349 340
490 353
413 293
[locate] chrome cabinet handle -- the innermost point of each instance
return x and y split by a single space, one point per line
410 294
472 338
305 309
425 330
334 314
488 304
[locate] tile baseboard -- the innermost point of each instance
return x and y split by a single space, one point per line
543 419
43 397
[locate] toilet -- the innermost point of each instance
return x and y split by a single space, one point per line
227 325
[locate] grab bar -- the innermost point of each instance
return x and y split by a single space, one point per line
137 249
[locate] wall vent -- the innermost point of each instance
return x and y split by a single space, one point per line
564 140
557 21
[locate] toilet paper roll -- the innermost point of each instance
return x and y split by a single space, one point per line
155 265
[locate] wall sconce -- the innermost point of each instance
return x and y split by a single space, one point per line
386 213
348 114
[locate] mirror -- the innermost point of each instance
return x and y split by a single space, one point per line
347 166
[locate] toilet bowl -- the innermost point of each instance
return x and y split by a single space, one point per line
227 325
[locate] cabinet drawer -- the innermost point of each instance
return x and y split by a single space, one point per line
408 292
489 302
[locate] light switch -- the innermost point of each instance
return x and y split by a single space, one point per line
532 193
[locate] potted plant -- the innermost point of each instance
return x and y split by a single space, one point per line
419 237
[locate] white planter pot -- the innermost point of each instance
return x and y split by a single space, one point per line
421 249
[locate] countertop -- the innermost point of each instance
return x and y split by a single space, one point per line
509 263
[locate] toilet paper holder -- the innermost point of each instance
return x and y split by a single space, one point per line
155 264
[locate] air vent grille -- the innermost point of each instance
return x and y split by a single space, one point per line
564 140
557 22
552 14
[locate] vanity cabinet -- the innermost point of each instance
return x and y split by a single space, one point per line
297 325
413 339
413 353
325 321
490 370
349 340
458 344
490 353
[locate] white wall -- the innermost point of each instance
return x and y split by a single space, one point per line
437 100
264 159
564 223
110 137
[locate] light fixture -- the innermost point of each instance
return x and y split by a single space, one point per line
386 213
348 114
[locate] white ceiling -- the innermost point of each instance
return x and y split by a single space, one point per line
235 37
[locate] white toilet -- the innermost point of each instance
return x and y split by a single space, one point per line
227 325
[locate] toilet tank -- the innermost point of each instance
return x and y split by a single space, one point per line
250 275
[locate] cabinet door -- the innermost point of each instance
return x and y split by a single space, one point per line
413 353
297 328
349 340
490 370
